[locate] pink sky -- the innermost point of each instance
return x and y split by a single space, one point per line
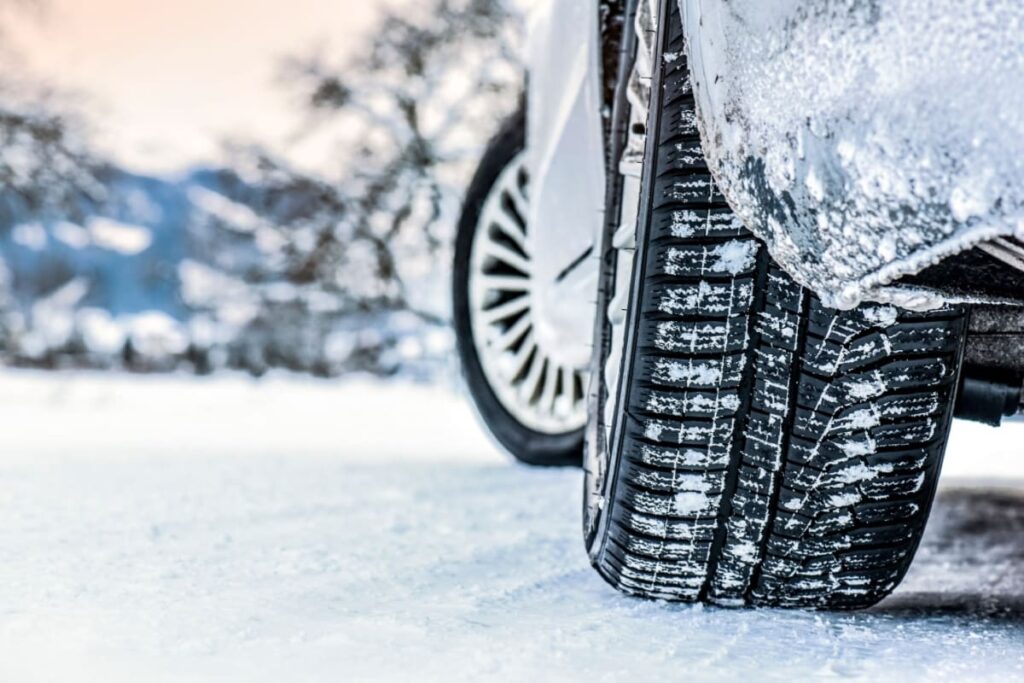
166 80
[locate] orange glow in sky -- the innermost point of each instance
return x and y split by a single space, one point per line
165 81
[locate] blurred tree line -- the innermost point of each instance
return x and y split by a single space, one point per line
46 167
328 269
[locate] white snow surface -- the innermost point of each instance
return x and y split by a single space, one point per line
864 140
174 528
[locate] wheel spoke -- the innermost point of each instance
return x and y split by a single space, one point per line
507 225
507 339
506 310
569 386
513 363
507 256
505 283
528 389
518 200
547 396
537 390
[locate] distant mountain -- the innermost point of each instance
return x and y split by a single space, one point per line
126 252
165 271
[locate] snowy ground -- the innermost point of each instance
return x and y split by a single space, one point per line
174 528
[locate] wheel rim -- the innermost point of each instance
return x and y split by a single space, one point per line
538 390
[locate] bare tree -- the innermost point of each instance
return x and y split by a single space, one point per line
322 268
355 254
407 116
45 164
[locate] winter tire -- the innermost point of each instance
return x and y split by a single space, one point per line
532 406
759 448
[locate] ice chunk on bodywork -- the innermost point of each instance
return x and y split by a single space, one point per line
863 141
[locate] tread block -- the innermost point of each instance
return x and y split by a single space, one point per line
696 338
702 299
708 262
693 373
696 223
680 404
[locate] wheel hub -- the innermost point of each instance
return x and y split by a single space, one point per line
532 314
563 313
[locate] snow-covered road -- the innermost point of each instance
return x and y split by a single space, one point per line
174 528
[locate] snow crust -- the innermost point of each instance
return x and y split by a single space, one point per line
74 236
691 502
100 231
864 140
698 373
174 528
30 235
121 237
734 257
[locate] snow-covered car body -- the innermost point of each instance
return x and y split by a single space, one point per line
876 146
565 157
865 141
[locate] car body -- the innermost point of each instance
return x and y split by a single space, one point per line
818 144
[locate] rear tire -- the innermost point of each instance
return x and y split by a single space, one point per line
554 445
763 449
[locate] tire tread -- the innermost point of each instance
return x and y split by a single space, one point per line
815 436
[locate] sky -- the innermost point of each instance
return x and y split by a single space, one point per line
164 82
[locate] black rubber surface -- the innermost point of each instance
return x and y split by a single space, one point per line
524 444
766 450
